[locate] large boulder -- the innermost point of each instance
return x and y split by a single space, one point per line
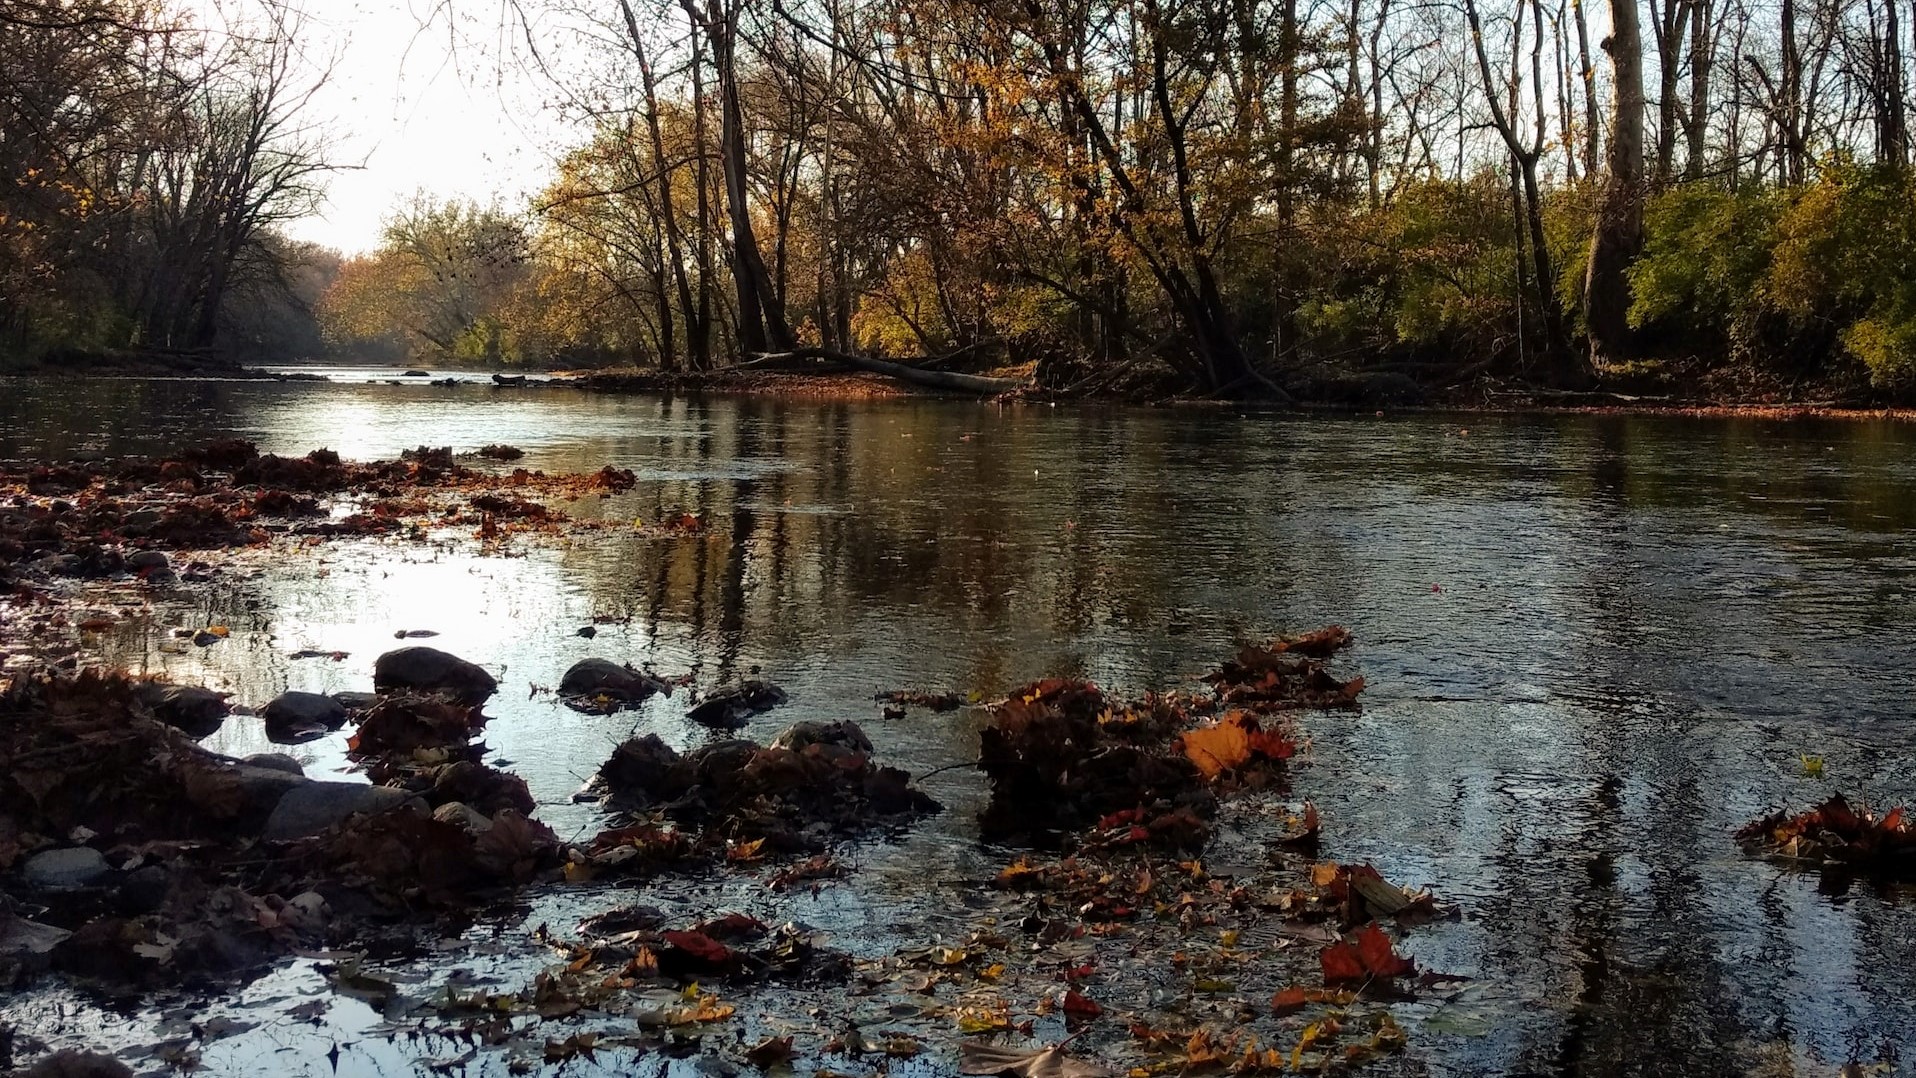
293 717
603 677
312 807
190 709
423 669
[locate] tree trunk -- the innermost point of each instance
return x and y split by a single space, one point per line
1619 231
1702 58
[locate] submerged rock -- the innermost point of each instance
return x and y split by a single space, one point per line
189 709
425 669
68 869
292 717
312 807
729 708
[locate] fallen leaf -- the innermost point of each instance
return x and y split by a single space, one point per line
770 1052
1026 1063
1079 1005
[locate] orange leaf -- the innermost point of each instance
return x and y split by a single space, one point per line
1217 749
1289 1001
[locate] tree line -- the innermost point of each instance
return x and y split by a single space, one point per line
146 164
1240 197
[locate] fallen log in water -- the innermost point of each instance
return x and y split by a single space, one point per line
947 380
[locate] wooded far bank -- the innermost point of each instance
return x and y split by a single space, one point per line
1239 198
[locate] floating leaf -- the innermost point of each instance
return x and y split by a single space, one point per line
1027 1063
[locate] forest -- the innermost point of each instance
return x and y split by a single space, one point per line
1325 199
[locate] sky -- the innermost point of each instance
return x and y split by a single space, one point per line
408 112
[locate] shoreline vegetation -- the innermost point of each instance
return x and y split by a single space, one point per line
1482 398
1362 206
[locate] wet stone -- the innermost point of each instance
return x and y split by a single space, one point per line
300 716
69 869
425 669
275 761
590 677
190 709
147 559
312 807
729 708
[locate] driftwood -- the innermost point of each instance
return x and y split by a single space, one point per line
946 380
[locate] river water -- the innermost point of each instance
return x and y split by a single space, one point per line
1594 646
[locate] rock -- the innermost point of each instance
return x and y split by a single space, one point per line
463 816
68 1063
293 717
163 578
144 890
638 764
416 374
844 734
190 709
729 708
356 701
68 869
486 790
430 670
147 559
588 632
261 788
275 761
603 677
312 807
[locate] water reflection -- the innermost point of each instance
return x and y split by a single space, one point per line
1595 646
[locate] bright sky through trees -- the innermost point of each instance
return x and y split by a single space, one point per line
416 114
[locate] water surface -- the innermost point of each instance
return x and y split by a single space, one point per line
1594 647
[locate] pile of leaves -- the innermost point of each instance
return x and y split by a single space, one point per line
1287 674
87 752
1839 834
1063 758
786 798
90 515
190 887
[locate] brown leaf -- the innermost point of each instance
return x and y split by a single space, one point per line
1026 1063
770 1052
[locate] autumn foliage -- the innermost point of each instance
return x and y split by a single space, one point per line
1836 833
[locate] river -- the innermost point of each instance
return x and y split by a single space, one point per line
1594 646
